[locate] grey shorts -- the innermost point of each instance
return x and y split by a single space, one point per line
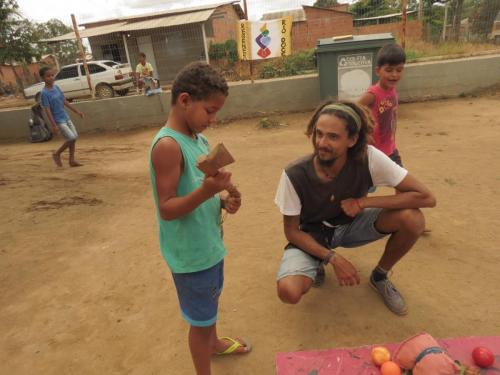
359 232
68 130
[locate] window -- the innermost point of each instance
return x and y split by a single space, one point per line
93 69
111 52
68 72
209 29
110 63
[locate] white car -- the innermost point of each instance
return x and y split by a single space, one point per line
108 77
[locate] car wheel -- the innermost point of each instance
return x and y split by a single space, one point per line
103 91
122 92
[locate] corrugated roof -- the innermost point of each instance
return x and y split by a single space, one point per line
171 12
87 33
297 15
175 20
165 21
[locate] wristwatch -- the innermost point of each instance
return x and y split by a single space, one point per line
329 257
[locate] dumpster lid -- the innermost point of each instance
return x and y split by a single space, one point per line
342 41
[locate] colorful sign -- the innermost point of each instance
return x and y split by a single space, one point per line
265 39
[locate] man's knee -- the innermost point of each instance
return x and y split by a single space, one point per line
413 220
291 291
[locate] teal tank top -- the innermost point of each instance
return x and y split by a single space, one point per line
193 242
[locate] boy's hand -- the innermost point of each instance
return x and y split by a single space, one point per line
216 184
232 204
351 207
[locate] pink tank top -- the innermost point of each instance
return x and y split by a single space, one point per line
384 112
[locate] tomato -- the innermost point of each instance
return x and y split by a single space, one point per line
483 357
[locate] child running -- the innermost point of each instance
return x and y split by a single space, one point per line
53 101
382 99
188 208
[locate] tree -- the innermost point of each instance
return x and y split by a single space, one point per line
66 51
483 17
325 3
456 17
16 37
374 8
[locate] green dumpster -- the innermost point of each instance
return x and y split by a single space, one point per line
346 65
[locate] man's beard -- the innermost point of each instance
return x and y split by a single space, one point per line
326 162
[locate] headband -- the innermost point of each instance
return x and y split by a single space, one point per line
345 109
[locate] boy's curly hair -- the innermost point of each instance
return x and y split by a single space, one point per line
199 80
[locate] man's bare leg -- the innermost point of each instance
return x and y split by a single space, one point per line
406 227
292 288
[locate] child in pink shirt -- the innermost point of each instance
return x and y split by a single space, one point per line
382 99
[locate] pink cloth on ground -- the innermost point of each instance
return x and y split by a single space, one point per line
431 364
384 113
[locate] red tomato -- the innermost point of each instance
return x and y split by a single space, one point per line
483 357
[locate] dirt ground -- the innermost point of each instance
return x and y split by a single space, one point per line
84 289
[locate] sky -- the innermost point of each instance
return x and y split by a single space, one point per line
93 10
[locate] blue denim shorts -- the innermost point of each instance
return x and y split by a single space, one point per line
199 293
359 232
68 130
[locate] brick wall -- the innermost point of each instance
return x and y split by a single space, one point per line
320 23
224 24
29 75
413 29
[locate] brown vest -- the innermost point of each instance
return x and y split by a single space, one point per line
315 195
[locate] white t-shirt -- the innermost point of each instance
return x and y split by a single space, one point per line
383 170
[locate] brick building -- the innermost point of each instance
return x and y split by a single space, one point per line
313 23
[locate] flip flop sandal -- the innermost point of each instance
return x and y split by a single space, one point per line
235 345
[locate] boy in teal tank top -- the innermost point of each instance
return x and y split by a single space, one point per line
188 207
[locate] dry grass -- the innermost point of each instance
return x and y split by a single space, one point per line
418 49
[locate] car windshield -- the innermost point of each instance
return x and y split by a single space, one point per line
110 63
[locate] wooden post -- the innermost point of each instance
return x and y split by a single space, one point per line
124 38
250 62
82 54
205 47
403 25
445 22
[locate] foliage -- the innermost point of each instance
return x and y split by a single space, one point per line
227 50
298 63
325 3
374 8
16 35
66 51
484 17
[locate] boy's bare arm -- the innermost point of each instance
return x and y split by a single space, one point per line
72 108
367 99
48 112
167 163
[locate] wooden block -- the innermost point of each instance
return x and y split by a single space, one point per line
218 158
